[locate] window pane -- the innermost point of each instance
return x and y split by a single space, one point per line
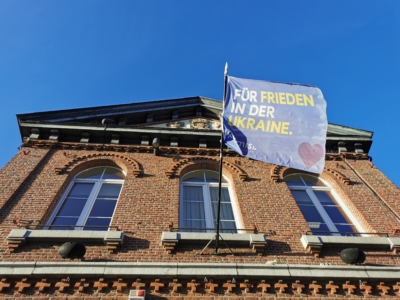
193 193
193 207
301 197
225 225
113 173
81 190
311 180
324 198
97 222
345 228
72 207
226 211
335 214
322 229
194 224
213 177
294 180
310 213
193 210
195 179
214 194
226 207
295 183
224 194
64 221
196 176
110 191
94 173
103 208
300 179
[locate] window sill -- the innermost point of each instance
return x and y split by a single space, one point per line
255 241
314 243
112 239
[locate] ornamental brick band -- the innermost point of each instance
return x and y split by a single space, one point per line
175 169
108 155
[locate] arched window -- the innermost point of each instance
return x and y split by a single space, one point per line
319 205
89 201
199 202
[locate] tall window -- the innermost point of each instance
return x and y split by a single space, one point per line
315 201
89 201
199 203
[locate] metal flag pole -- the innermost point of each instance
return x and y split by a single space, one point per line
217 235
220 159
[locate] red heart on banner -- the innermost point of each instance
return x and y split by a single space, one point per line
310 154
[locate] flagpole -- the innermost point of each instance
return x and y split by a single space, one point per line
220 160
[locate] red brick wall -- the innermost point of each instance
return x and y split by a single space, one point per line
17 171
149 202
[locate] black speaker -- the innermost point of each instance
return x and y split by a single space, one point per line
352 256
72 250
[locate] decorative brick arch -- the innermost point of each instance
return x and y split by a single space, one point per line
119 159
278 173
178 167
343 178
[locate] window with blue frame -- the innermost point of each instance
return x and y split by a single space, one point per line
199 203
89 201
323 215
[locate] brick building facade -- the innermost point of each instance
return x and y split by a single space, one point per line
91 175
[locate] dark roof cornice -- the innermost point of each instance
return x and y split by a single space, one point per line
131 122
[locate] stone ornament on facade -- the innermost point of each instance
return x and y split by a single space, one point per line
217 126
200 123
175 124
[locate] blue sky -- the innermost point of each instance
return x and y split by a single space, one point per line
67 54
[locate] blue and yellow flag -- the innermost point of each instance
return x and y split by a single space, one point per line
279 123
